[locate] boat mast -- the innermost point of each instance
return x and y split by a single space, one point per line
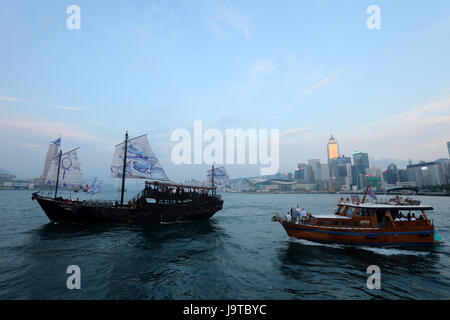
124 167
365 195
212 178
57 175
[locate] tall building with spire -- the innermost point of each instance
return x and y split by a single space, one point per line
333 148
333 155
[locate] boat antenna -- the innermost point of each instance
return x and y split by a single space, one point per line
124 168
57 175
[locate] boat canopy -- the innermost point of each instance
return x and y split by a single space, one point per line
386 206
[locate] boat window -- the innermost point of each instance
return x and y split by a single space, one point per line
350 212
364 212
335 223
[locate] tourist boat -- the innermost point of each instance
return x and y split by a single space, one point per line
374 223
160 201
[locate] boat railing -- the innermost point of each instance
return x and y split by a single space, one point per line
179 195
138 196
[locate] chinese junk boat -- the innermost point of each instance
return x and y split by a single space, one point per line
394 222
160 201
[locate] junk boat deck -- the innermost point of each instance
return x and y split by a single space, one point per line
158 202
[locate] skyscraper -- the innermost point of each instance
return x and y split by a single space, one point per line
314 164
333 148
448 147
361 167
303 172
392 174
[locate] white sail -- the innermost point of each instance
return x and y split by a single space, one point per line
141 162
69 171
221 178
96 186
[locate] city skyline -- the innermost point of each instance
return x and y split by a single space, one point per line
55 144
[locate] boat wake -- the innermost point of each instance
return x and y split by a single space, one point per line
393 251
175 222
316 244
381 251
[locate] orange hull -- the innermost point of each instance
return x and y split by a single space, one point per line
401 235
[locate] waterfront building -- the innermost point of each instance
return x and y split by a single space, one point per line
303 173
374 182
391 174
278 185
5 176
360 169
375 171
270 185
444 168
314 164
345 177
426 174
402 175
340 173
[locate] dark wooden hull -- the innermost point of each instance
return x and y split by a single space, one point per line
401 235
78 212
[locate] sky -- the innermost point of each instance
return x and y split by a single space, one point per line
307 68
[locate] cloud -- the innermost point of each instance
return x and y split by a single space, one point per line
261 67
35 147
45 128
233 20
291 136
322 83
419 133
294 131
70 108
10 99
157 9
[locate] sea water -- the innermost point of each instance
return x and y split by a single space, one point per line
237 254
